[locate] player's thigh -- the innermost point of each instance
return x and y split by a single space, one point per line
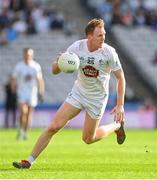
65 113
90 126
23 107
30 109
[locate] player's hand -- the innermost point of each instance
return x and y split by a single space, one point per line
55 68
118 112
41 98
57 58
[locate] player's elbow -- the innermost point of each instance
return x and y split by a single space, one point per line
54 72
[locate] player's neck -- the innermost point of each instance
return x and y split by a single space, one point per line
91 47
28 61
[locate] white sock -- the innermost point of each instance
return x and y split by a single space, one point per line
31 159
117 125
21 132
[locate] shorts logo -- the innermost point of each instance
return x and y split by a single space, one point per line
90 71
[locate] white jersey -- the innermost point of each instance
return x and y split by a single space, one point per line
95 68
26 76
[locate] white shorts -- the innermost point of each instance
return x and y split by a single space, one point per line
29 100
94 108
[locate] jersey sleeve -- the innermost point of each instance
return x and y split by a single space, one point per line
72 48
114 61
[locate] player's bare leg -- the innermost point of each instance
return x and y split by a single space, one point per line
27 122
63 115
22 119
92 133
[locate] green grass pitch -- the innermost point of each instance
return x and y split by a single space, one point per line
67 157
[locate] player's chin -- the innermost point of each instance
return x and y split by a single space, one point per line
101 45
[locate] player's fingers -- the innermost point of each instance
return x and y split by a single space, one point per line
116 117
58 58
113 111
121 117
60 53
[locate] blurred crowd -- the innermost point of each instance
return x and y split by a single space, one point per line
125 12
28 17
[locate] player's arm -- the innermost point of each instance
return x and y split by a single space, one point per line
120 86
55 68
119 109
41 85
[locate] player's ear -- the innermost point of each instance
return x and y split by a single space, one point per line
90 36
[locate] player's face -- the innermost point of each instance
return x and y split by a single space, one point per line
28 55
98 37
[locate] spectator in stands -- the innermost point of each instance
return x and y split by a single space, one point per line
116 16
105 11
90 92
28 17
42 24
10 104
28 82
135 5
130 95
3 37
11 33
20 24
150 5
31 26
17 5
36 12
126 18
4 4
140 19
148 105
68 26
57 20
4 19
125 12
152 19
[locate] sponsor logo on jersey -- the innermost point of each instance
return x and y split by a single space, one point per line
103 63
90 71
28 77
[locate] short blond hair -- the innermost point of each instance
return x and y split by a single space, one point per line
28 50
92 24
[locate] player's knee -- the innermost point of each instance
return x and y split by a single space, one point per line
87 140
24 110
54 129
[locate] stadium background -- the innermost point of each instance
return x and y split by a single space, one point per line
50 26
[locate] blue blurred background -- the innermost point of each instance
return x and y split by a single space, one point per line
49 27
